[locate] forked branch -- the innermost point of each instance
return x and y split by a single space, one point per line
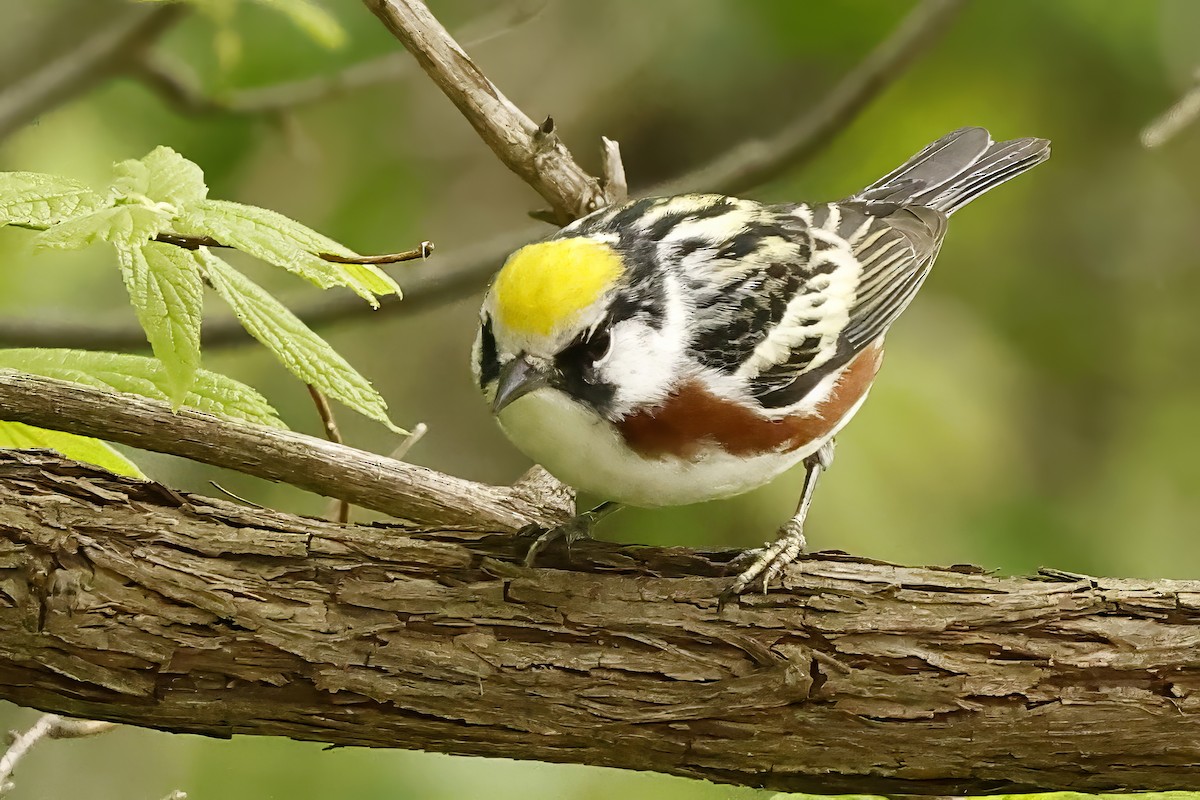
525 147
461 271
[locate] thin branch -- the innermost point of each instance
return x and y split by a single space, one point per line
48 726
758 161
422 252
402 490
22 743
616 186
852 678
538 158
184 93
467 270
418 433
233 496
325 411
1168 124
333 434
104 53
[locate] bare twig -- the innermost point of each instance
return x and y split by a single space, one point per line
466 270
424 251
104 53
48 726
365 479
332 433
539 158
418 433
616 187
1174 119
183 92
233 496
21 745
325 411
755 162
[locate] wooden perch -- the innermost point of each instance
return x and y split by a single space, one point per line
128 601
122 600
345 473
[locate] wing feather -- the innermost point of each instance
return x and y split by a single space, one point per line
879 262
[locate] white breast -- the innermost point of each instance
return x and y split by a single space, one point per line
587 452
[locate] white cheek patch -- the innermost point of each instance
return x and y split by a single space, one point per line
646 363
641 364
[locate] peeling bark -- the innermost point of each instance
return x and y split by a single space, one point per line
125 601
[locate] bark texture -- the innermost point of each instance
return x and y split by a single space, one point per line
125 601
346 473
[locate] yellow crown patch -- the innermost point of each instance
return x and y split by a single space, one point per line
542 286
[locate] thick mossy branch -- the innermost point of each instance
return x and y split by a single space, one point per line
125 601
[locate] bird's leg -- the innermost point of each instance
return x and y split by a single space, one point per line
770 559
580 527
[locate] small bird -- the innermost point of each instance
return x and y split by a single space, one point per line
679 349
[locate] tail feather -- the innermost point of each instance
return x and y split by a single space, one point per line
954 170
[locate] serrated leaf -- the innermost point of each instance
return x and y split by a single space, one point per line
211 392
306 355
278 225
373 279
276 239
19 436
167 292
321 26
162 176
34 199
125 224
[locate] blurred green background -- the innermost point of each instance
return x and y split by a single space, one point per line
1039 400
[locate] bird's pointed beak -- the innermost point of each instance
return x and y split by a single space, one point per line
518 378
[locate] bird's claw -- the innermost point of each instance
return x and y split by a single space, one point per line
569 532
766 562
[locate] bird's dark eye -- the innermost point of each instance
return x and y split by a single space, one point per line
597 347
578 372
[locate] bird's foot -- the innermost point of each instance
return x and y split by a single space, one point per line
579 527
766 562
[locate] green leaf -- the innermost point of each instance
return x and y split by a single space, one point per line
127 225
120 372
319 24
162 176
167 291
306 355
37 200
19 436
286 243
309 17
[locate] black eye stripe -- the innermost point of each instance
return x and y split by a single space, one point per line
588 347
576 370
598 345
489 359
